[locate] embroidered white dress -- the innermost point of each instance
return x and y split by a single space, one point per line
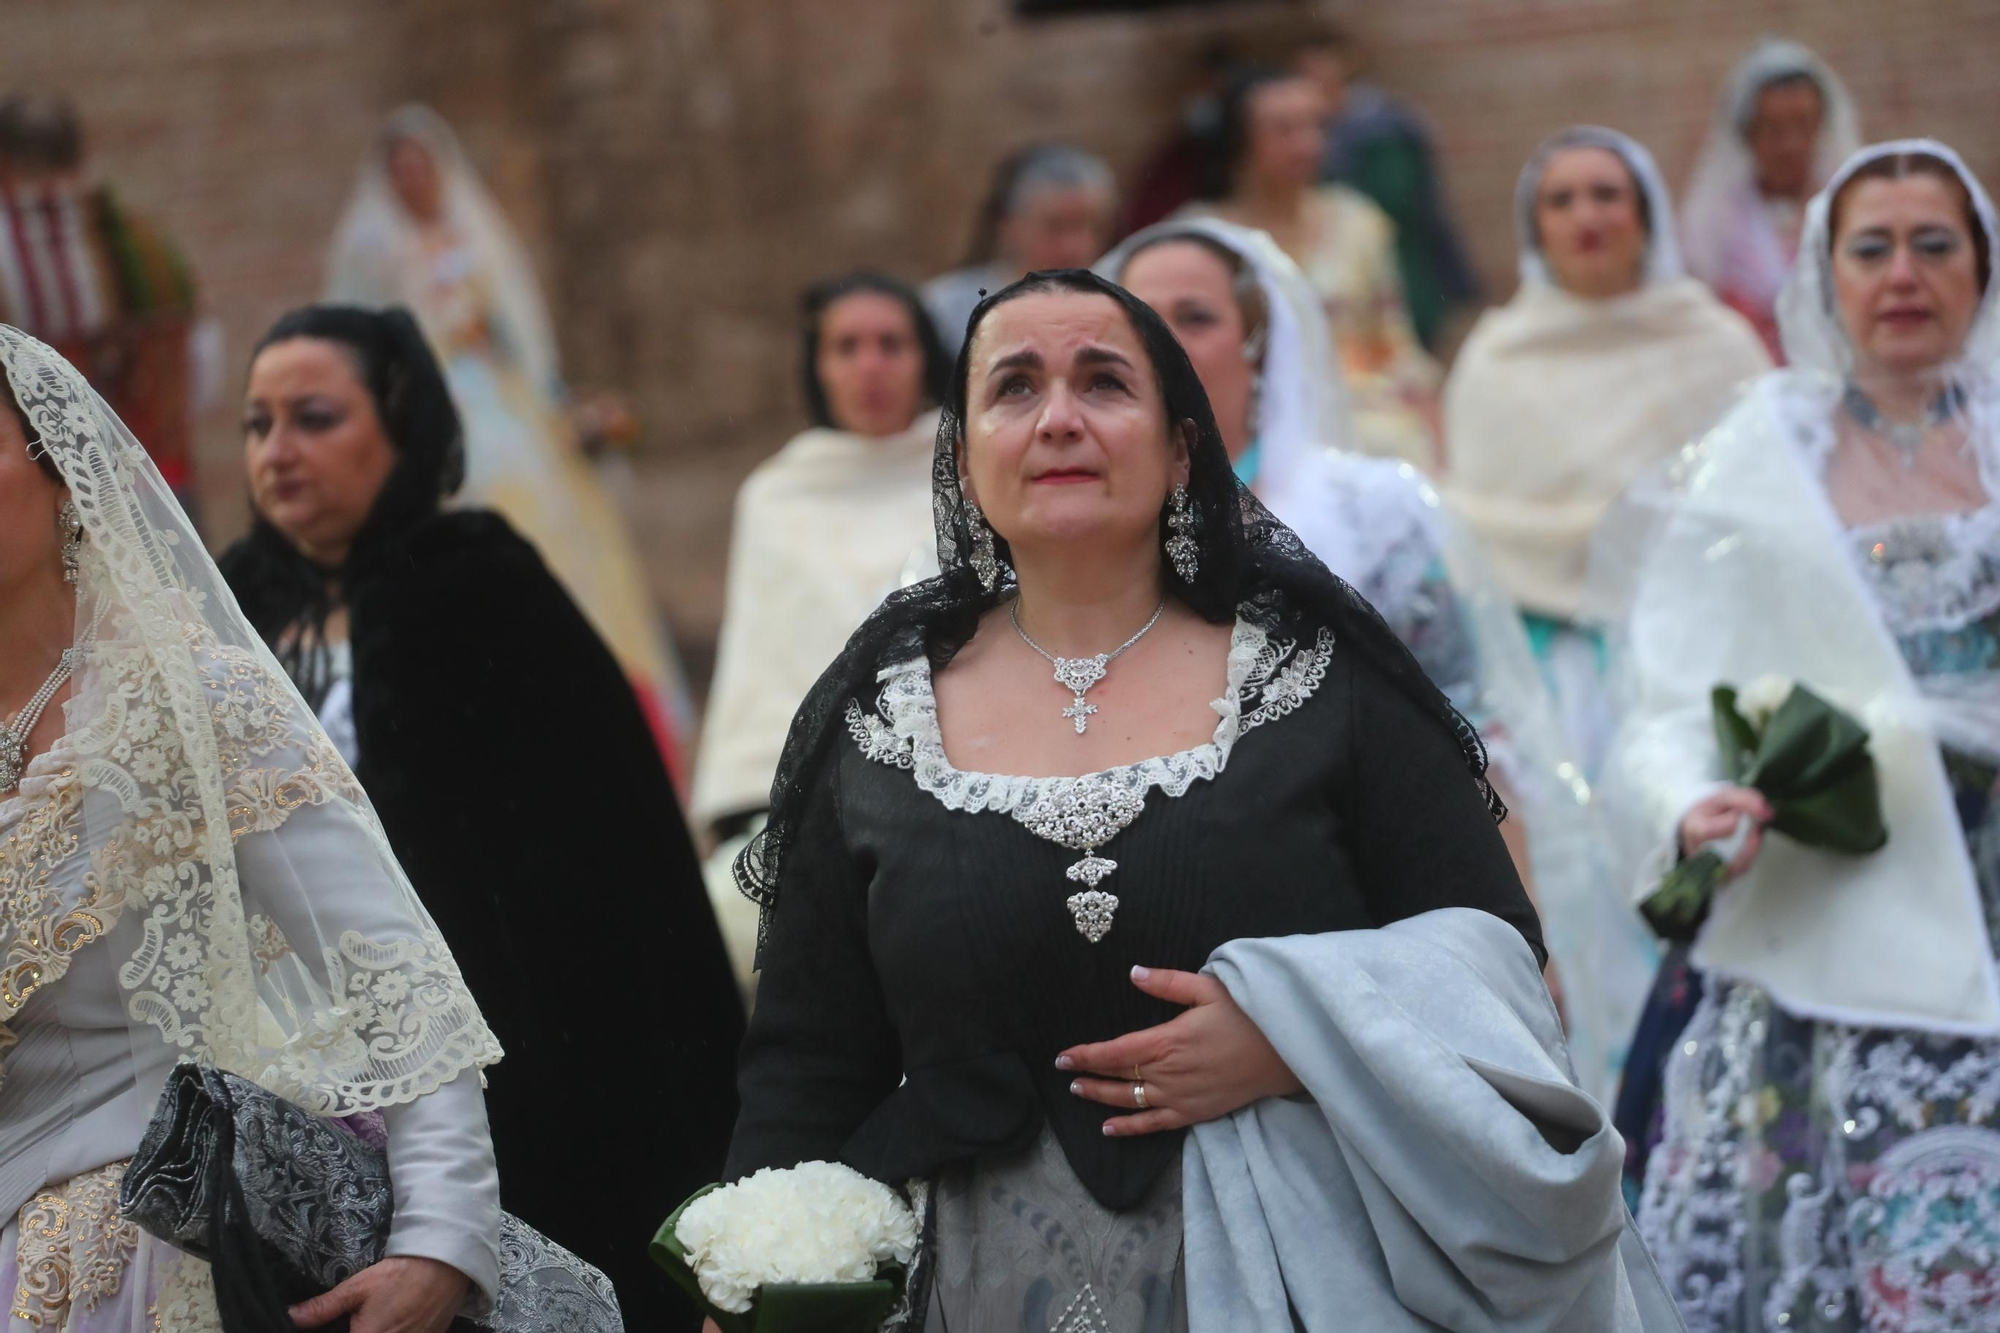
1820 1176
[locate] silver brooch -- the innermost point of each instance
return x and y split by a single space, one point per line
1083 815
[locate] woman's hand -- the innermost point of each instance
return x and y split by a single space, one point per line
395 1295
1715 817
1199 1066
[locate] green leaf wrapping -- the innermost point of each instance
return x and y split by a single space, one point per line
1811 762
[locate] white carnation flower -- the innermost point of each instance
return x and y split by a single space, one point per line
816 1222
1763 697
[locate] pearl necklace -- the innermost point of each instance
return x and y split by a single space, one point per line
14 735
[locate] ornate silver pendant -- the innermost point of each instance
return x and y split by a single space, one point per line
1083 816
1093 910
11 752
1077 675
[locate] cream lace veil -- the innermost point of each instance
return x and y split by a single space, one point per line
259 919
377 259
1726 167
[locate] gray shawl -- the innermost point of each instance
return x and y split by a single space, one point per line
1442 1172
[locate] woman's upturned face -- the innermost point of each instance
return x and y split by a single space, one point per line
314 446
1904 272
1783 135
413 174
1287 134
30 545
1587 222
1194 291
1065 226
870 364
1066 438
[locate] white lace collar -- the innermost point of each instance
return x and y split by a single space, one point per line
1267 678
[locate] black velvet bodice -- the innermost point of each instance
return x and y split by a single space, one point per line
922 969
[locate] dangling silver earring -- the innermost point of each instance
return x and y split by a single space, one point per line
1181 548
69 523
985 562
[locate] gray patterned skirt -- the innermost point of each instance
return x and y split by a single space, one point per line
1018 1245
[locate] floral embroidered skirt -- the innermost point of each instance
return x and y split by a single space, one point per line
1815 1178
1018 1245
71 1263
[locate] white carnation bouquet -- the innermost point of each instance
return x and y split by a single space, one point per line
815 1248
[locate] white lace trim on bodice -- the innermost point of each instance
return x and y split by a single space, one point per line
1931 571
1267 679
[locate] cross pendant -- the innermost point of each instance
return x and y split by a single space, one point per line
1078 712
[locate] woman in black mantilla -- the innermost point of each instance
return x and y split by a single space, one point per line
514 773
963 970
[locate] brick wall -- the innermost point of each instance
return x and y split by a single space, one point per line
682 168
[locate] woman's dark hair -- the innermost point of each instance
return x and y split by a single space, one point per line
41 133
1232 138
1248 564
820 297
284 594
1901 166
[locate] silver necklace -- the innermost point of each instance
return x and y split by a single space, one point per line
14 735
1078 674
1905 437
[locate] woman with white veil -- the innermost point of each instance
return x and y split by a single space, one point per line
1255 330
1831 1150
421 231
1785 122
1606 359
190 872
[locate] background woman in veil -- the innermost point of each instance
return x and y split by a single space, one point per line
1831 1150
421 231
1606 359
1254 331
1783 124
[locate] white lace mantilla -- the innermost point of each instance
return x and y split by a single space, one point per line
1267 679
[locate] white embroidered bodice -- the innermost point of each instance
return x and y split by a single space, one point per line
1931 571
